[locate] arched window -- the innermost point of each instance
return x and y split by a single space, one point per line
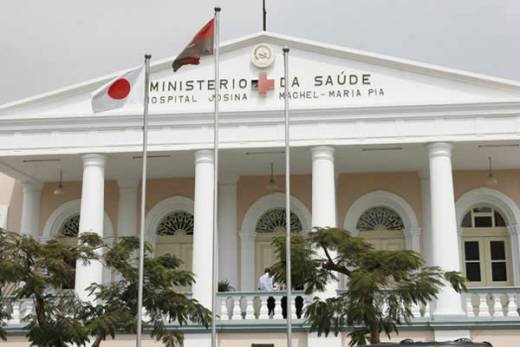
70 227
483 217
274 220
485 247
178 222
382 227
378 219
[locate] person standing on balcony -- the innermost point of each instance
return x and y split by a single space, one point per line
265 284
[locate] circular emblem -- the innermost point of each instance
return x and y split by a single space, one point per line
262 56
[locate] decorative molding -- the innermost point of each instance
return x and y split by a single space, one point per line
385 199
248 235
161 210
267 202
504 204
64 212
379 217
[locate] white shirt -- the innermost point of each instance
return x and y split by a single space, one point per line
265 283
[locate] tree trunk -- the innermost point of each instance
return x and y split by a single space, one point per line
97 341
39 308
374 335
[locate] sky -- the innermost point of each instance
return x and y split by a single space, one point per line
46 45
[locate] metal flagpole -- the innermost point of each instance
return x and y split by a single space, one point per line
287 198
214 283
147 58
264 15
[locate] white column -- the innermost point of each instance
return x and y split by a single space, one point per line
445 243
324 197
426 218
514 233
91 218
203 227
323 187
247 262
30 223
227 228
127 208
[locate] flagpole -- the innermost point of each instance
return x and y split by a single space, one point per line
214 284
264 15
287 198
147 58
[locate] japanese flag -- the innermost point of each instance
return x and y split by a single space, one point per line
125 89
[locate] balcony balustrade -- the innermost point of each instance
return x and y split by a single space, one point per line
245 308
492 302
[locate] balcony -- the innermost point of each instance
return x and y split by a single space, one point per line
249 310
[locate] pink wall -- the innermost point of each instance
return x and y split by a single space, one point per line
508 182
160 189
251 188
352 186
72 191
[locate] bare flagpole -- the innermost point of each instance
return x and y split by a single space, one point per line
147 58
214 282
264 15
287 198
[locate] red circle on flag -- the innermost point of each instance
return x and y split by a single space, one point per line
119 89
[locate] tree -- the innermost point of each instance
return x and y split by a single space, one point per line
381 285
39 271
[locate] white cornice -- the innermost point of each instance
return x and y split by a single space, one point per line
125 120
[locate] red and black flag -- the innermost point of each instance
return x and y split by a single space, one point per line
200 45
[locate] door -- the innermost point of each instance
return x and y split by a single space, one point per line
487 261
264 253
387 240
179 245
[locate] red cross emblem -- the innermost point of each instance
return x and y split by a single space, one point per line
264 84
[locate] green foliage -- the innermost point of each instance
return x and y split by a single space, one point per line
308 273
382 285
39 271
225 286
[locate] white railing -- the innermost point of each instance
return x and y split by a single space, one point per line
250 306
18 309
234 307
492 302
419 310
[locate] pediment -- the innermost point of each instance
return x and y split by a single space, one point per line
321 76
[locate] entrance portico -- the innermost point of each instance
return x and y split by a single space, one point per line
405 159
364 176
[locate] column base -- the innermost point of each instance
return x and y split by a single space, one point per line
197 340
321 341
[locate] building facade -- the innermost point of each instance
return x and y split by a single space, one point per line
404 154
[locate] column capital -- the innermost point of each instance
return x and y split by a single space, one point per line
322 152
93 160
204 156
439 149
